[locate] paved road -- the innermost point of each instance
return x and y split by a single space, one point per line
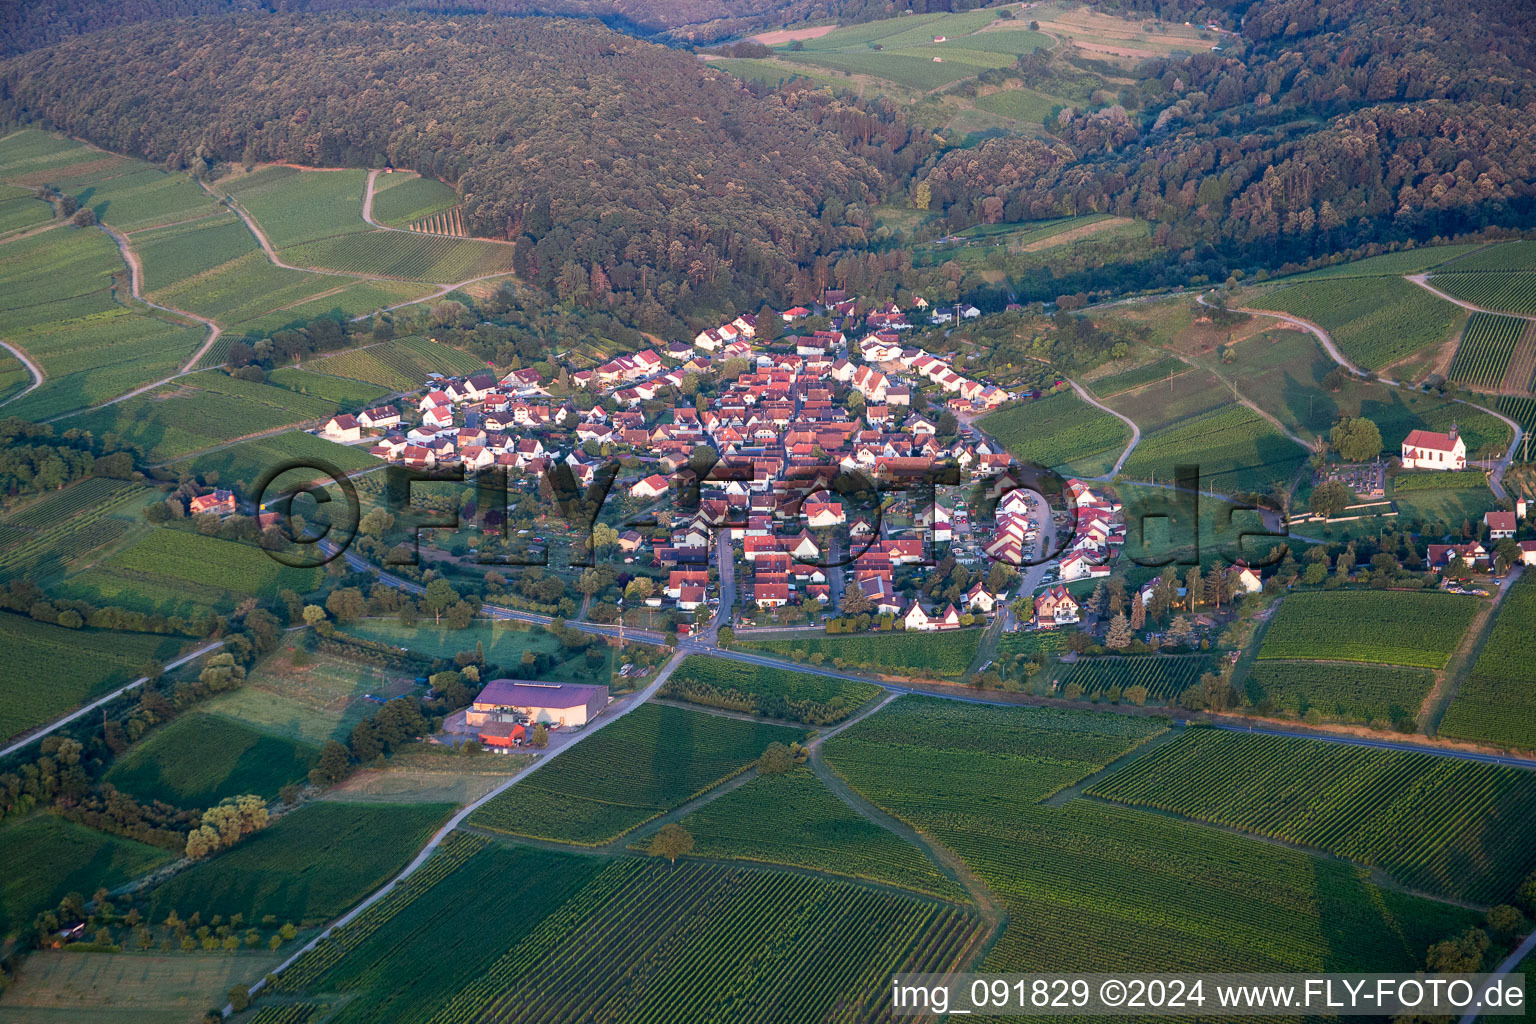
59 723
1507 761
1507 967
613 714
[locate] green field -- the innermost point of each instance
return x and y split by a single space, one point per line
793 819
174 254
917 654
1497 701
910 70
405 255
240 465
244 289
1391 264
301 206
65 529
562 939
1412 628
19 212
1057 430
399 199
1375 321
503 641
1486 345
313 702
1234 449
1499 290
399 365
636 769
307 867
1508 256
199 759
1020 104
344 391
1440 825
1091 886
1165 676
46 857
771 692
1165 403
1361 693
1159 369
51 670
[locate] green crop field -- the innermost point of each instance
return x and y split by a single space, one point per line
1439 480
1092 886
398 365
343 391
504 643
1165 403
914 72
46 857
1374 321
177 253
793 819
1485 348
560 939
406 255
198 760
18 212
771 692
636 769
1361 693
1057 430
50 670
313 702
140 196
302 206
916 654
1413 628
64 528
1392 264
307 867
399 199
1234 449
240 465
1509 256
175 572
245 288
1501 290
1138 376
1520 409
1437 824
1165 676
1020 104
1497 701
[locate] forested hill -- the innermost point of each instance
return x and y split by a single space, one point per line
1323 125
627 169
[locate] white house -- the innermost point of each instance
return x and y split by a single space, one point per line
343 428
653 486
1426 449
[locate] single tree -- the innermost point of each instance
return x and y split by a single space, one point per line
775 760
1119 633
672 841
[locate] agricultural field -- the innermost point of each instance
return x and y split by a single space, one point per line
1165 676
47 857
558 939
1021 104
1376 321
397 365
1391 264
1170 400
294 206
179 572
1438 825
504 643
916 654
1234 448
1506 257
200 411
309 703
244 289
1144 892
405 255
1355 693
1497 700
793 819
199 759
133 988
402 197
1486 345
50 670
1412 628
1058 430
344 392
240 465
770 692
21 210
182 252
1504 291
307 867
666 756
1159 369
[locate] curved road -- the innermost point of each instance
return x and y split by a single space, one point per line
1084 394
136 285
36 371
1422 280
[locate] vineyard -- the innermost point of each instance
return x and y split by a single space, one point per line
400 198
1392 264
553 938
1375 321
1358 693
307 867
1521 410
1056 430
1137 376
1164 676
171 255
65 526
345 392
1394 628
770 692
290 1013
915 654
1497 701
1486 345
1517 255
80 664
1436 824
1439 480
198 760
1504 291
302 206
209 567
636 769
398 365
47 856
448 222
793 819
405 255
1233 447
1093 886
241 465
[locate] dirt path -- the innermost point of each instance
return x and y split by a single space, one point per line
1422 280
38 376
1240 397
1448 680
1087 396
136 282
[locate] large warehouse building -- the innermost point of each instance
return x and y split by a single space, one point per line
506 701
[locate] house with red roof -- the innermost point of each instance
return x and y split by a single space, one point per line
1427 449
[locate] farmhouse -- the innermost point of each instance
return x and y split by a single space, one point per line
516 701
1500 525
343 428
1426 449
218 502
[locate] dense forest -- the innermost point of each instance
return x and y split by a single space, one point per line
631 175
